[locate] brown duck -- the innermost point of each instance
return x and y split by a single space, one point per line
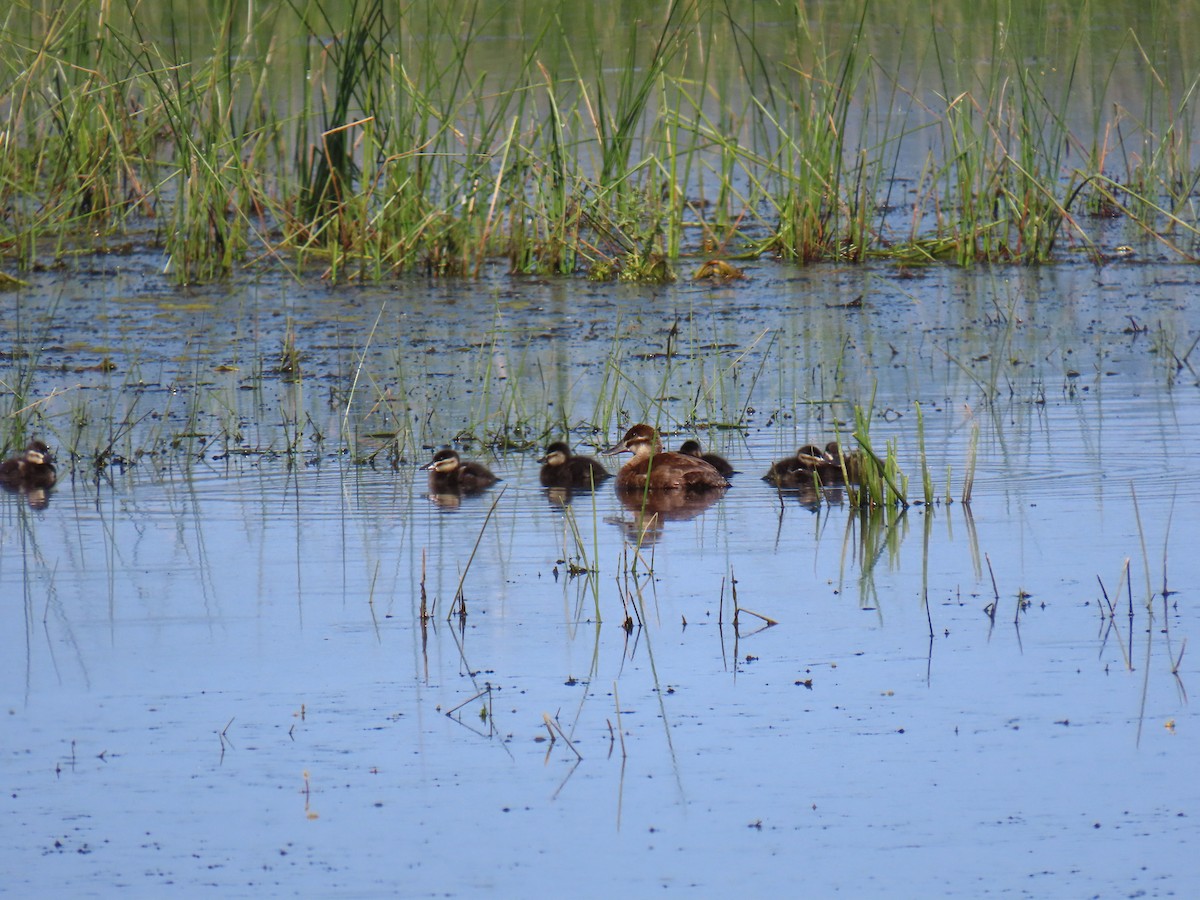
31 470
448 474
563 469
832 473
797 470
812 463
653 469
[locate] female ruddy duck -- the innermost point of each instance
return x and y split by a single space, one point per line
562 469
652 469
450 475
692 448
31 470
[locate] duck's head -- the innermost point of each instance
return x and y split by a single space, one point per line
38 454
640 440
690 448
811 455
445 460
557 454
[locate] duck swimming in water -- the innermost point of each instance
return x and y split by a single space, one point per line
448 474
692 448
653 469
834 473
563 469
797 470
31 470
812 463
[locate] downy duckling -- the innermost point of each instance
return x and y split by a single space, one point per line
692 448
797 470
563 469
825 463
448 474
31 470
832 473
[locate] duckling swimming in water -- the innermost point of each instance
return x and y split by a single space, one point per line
797 470
692 448
653 469
563 469
448 474
31 470
810 460
833 472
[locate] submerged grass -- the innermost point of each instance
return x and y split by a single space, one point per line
367 139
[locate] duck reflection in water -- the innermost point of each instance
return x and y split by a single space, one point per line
720 463
31 473
563 469
653 509
813 498
451 475
660 486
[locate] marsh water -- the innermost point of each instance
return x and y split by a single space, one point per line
216 671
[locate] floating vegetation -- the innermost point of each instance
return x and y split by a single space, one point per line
718 270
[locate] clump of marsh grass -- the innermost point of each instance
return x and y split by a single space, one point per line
288 365
881 482
689 130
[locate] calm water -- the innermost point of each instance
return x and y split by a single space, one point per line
215 673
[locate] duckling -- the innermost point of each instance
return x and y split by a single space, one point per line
562 469
31 470
795 471
655 470
692 448
833 473
448 474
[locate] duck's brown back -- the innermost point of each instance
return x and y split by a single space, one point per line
670 471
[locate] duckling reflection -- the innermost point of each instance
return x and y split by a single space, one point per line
31 473
812 497
652 470
449 474
692 448
563 469
559 497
